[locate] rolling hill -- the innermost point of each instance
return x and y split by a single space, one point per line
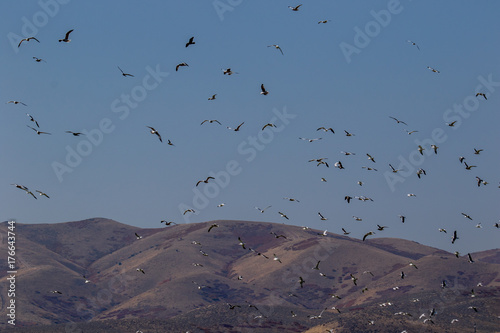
212 282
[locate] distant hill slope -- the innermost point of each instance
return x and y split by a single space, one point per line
192 276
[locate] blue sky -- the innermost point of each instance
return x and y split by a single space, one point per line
351 73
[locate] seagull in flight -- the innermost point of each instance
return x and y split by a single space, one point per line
37 131
264 91
354 279
310 140
276 258
291 199
468 167
27 40
74 133
467 216
413 43
452 124
141 270
370 157
268 125
393 170
326 129
368 168
301 281
398 121
481 94
345 232
283 215
188 211
339 165
228 71
410 132
33 120
435 148
182 64
381 227
262 210
212 98
420 172
237 128
348 134
296 8
167 222
66 37
42 193
16 102
403 218
215 225
477 151
323 21
453 239
434 70
38 59
322 217
137 235
123 73
190 42
210 121
276 46
204 181
368 234
153 131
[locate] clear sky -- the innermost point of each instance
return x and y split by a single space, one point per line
351 73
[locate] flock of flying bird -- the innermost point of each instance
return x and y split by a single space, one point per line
322 161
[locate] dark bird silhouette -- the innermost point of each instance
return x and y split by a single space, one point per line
368 234
215 225
153 131
204 181
296 8
42 194
263 90
74 133
37 131
27 40
454 237
38 59
210 121
398 121
33 120
237 127
190 42
15 102
277 47
182 64
481 94
123 73
66 37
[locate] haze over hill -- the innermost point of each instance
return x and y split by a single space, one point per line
241 276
